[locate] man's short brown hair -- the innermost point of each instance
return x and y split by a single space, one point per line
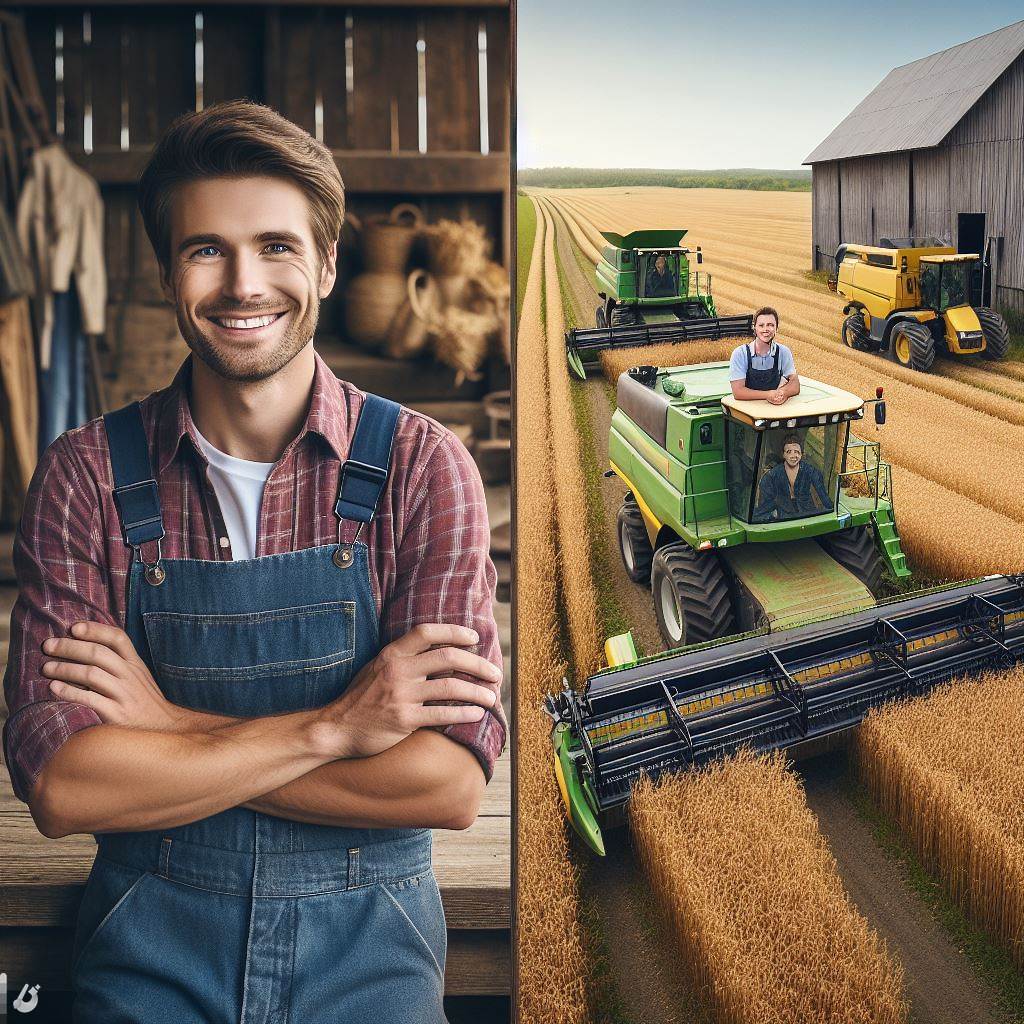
239 139
767 311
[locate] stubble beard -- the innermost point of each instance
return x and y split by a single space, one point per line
244 366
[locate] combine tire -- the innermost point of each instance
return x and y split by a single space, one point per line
997 334
624 316
913 346
691 596
855 333
634 545
856 552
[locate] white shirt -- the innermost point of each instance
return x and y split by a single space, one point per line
238 485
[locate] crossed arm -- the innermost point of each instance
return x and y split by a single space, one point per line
363 761
785 391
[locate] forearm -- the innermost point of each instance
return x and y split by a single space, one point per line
110 778
426 781
742 393
791 387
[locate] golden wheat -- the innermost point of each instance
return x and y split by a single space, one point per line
550 954
945 769
761 920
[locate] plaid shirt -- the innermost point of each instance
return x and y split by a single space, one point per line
428 544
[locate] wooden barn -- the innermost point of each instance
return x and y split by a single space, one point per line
414 100
936 149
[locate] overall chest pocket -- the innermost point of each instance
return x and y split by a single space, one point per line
244 646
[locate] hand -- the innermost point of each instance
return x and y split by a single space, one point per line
391 696
777 397
109 677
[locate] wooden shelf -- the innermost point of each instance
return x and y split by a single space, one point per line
365 171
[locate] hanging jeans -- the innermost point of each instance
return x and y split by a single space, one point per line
245 917
62 386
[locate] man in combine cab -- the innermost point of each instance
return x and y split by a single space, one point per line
254 651
793 488
763 369
661 282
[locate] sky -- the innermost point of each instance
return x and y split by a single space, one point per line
676 84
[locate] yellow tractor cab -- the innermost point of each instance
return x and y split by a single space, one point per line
910 298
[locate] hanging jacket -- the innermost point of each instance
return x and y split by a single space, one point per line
60 228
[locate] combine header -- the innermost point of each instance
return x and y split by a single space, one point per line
650 296
749 522
768 691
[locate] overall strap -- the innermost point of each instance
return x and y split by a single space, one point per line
135 490
365 472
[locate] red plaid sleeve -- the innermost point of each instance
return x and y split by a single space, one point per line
443 570
59 563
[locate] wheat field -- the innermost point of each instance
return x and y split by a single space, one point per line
761 920
955 437
946 770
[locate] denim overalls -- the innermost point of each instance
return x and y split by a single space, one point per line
242 916
763 380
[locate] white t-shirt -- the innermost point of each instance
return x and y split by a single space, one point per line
238 485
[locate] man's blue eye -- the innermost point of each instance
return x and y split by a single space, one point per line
279 244
206 248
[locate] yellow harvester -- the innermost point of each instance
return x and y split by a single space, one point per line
911 298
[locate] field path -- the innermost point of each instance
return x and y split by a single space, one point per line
940 984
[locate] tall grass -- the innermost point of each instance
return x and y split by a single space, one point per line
761 920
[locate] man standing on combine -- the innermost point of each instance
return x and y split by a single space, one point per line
253 650
763 370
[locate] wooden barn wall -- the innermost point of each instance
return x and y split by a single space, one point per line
349 75
824 212
931 193
986 172
875 197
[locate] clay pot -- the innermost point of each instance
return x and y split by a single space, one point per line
387 239
410 330
372 301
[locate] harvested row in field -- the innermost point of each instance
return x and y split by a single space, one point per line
552 964
945 770
761 919
579 594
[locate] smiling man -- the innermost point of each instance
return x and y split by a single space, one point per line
253 650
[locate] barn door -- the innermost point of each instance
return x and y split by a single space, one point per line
970 237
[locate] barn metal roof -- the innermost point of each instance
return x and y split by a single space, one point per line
917 105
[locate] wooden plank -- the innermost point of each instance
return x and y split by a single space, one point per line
371 99
231 56
103 60
453 105
331 76
298 55
499 81
71 89
478 963
403 173
40 29
43 878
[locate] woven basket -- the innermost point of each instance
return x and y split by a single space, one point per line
371 302
387 239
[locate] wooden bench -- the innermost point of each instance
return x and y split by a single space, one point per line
41 882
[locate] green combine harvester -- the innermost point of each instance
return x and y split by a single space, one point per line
649 296
766 588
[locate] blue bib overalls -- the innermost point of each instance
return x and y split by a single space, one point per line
242 916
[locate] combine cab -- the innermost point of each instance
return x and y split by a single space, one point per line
912 298
650 296
752 523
